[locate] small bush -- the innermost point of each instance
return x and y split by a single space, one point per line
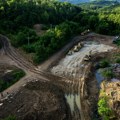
14 76
117 42
17 74
103 109
117 60
104 63
108 73
10 118
28 48
45 27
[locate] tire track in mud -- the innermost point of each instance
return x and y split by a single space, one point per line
21 62
27 66
75 95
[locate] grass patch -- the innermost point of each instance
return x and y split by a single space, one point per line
10 78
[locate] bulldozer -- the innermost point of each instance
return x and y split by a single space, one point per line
88 57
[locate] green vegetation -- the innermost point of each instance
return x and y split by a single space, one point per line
63 20
98 4
103 109
108 73
47 44
9 118
15 14
117 42
104 63
53 40
10 78
117 60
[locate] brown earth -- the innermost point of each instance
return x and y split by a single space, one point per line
49 95
36 101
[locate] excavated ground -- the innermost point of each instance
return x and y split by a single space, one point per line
82 75
75 92
36 101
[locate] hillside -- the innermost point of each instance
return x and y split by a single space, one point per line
59 61
84 1
75 1
94 5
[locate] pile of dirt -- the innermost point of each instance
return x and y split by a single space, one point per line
36 101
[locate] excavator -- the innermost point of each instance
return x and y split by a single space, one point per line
76 48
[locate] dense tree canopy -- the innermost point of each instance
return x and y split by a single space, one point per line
17 13
62 21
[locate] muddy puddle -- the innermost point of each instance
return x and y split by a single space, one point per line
99 77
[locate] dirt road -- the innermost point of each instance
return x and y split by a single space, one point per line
33 72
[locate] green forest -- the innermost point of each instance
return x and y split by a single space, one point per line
61 21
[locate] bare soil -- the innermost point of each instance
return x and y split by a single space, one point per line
45 98
36 101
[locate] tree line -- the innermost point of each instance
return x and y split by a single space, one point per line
63 20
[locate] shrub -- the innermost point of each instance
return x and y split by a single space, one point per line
10 117
103 109
25 36
117 42
17 74
29 48
14 76
117 60
108 73
104 63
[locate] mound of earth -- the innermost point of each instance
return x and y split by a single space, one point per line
36 101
